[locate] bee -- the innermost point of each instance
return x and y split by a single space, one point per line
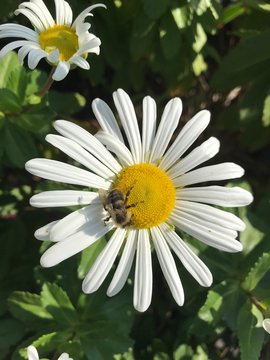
115 203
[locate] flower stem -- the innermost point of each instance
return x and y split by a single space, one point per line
47 84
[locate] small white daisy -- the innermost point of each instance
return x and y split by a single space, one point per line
154 180
63 42
266 325
33 354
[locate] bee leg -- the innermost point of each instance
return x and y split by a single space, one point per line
134 204
106 220
128 193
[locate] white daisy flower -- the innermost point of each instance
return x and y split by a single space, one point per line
33 354
266 325
62 42
153 195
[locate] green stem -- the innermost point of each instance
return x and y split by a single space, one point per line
48 83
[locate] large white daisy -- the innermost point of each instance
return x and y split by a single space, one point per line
32 354
63 42
155 178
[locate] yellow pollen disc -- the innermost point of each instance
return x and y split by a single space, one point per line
62 38
151 192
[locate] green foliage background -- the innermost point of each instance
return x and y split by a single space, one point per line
213 54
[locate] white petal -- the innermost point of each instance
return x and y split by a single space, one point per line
90 46
33 18
16 30
266 325
54 56
61 71
168 266
75 243
34 8
13 45
43 233
209 213
65 173
67 226
80 18
128 118
210 237
143 282
191 261
104 262
24 51
199 155
68 16
216 195
34 57
168 124
64 356
206 222
32 353
116 146
76 152
186 138
60 12
88 142
148 126
124 266
106 118
45 12
57 198
222 171
79 61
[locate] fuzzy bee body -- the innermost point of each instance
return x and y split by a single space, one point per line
115 203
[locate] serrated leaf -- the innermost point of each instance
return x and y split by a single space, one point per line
9 102
250 332
257 272
27 307
209 312
57 303
47 343
154 9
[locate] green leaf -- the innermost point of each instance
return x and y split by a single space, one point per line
266 111
7 65
19 145
66 103
170 38
182 16
200 39
9 102
47 343
183 352
231 12
27 307
88 257
209 312
11 331
56 301
249 332
154 9
258 271
142 36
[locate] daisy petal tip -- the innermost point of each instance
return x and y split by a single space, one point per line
266 325
46 261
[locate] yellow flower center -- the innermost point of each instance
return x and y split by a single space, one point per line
62 38
151 194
